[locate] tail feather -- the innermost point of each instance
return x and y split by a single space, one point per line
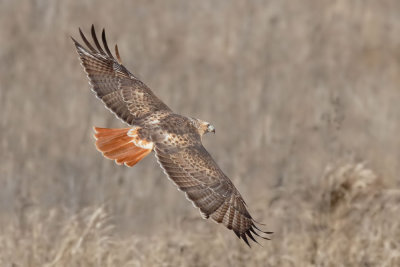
125 149
112 144
130 160
115 144
135 160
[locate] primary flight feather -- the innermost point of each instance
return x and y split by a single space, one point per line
175 139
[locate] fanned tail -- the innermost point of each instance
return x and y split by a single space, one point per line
117 145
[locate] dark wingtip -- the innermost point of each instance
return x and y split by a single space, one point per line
86 41
75 42
92 28
255 226
249 234
251 237
96 41
244 237
257 234
103 37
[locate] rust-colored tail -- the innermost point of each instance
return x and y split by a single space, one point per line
115 144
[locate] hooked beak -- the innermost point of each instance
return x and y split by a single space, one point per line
211 128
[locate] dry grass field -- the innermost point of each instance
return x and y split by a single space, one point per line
305 99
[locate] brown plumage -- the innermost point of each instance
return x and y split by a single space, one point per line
175 139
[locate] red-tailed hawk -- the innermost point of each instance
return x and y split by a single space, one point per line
175 139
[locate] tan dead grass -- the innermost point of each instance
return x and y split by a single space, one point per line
359 229
291 86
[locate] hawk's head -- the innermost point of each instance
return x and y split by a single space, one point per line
203 127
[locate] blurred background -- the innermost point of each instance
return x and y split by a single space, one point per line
305 99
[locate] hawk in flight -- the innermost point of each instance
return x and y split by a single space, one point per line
175 139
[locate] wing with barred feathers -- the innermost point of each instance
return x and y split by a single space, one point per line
181 154
194 171
126 96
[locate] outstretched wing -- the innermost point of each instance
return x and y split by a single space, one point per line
126 96
194 171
